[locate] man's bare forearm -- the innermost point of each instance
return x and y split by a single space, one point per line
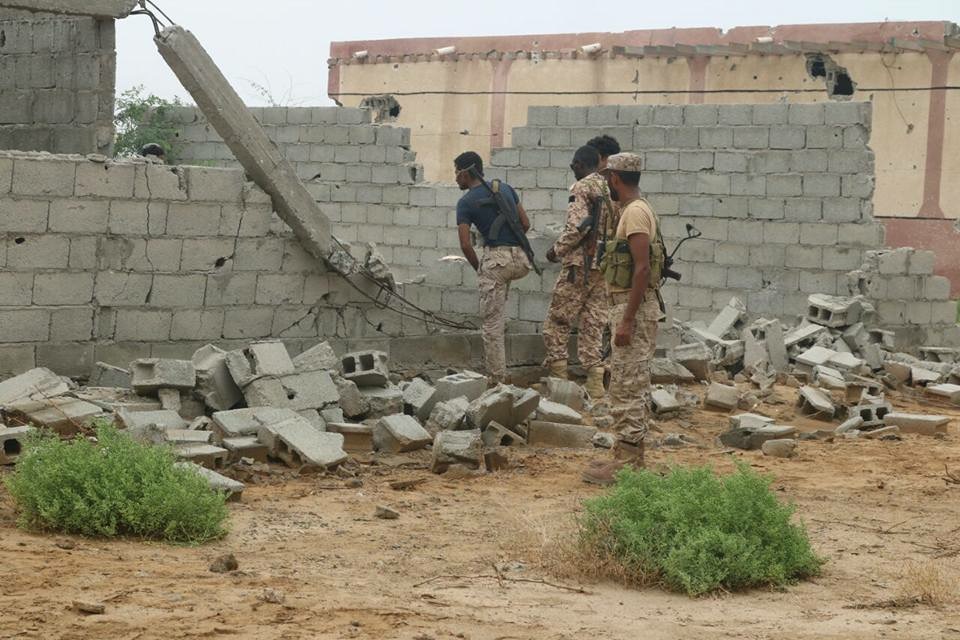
471 256
638 290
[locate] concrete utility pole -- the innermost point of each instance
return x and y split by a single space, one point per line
258 155
95 8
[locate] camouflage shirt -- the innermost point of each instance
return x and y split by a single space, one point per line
569 246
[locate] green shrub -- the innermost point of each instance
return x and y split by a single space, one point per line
114 486
695 532
141 119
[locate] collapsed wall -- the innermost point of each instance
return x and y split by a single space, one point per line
57 77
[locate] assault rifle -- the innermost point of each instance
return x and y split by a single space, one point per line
668 272
508 216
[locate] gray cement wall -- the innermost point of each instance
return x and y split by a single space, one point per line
57 77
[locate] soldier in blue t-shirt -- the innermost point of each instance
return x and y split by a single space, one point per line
503 257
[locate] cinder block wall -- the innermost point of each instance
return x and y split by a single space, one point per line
57 77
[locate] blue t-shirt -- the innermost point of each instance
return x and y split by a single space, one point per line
471 209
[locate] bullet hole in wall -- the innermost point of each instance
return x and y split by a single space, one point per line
840 86
385 107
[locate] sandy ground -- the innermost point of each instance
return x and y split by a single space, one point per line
874 509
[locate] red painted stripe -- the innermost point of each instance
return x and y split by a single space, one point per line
498 105
936 127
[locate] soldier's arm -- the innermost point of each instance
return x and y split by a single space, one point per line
466 246
577 210
524 220
640 252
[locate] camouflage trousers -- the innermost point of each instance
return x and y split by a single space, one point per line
572 301
499 266
630 370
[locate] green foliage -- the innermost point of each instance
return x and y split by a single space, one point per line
114 486
141 119
695 532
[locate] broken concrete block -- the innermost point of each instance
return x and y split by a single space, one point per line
366 368
696 357
497 435
873 356
382 401
554 434
663 401
456 447
833 311
566 392
469 384
357 438
205 455
850 424
856 337
872 410
245 447
899 370
115 399
814 402
721 396
232 488
664 371
920 377
949 391
752 437
314 417
749 421
496 459
923 424
780 448
754 352
215 384
728 318
12 442
298 391
36 384
238 423
300 445
66 416
603 440
333 414
259 359
829 378
419 398
875 434
448 415
846 361
940 354
153 374
352 402
320 357
495 405
525 402
398 433
548 411
815 356
187 436
107 375
803 336
169 399
140 421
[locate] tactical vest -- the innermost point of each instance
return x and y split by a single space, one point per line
617 262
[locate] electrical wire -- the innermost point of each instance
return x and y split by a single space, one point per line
639 91
161 12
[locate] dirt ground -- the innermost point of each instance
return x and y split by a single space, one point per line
879 511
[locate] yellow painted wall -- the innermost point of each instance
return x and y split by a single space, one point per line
950 185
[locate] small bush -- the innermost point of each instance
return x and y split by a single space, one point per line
143 119
114 486
694 532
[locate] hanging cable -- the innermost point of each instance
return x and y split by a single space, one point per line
170 20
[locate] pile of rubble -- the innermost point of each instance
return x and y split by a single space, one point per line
840 363
311 412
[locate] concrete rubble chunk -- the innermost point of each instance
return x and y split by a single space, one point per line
803 335
873 356
468 384
525 402
780 448
64 415
663 401
419 398
603 440
357 438
399 433
833 311
749 421
259 359
562 435
35 384
566 392
376 266
366 368
457 447
829 378
238 423
696 357
107 375
852 423
814 402
940 354
245 447
95 8
949 391
881 432
898 370
320 357
497 435
232 488
721 396
846 361
214 383
495 405
170 399
115 399
448 415
752 437
187 436
923 424
856 336
205 455
333 414
314 417
153 374
728 319
920 377
298 391
12 440
871 410
140 422
816 356
353 403
549 411
301 445
665 371
258 155
382 401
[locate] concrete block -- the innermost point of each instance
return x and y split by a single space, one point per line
150 425
553 434
239 423
12 441
495 405
217 482
833 311
456 447
728 318
419 398
62 415
468 384
357 438
245 447
352 402
780 448
301 445
214 383
267 358
695 357
448 415
752 437
816 403
722 396
815 356
497 435
151 374
549 411
663 401
923 424
382 401
366 368
320 357
947 390
297 391
566 392
205 455
107 375
398 433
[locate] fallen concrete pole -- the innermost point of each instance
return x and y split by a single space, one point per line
257 154
95 8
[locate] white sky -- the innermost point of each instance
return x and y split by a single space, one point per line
283 45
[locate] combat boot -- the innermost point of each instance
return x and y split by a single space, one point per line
558 369
626 455
594 385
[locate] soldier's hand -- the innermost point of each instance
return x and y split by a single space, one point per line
624 334
552 255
